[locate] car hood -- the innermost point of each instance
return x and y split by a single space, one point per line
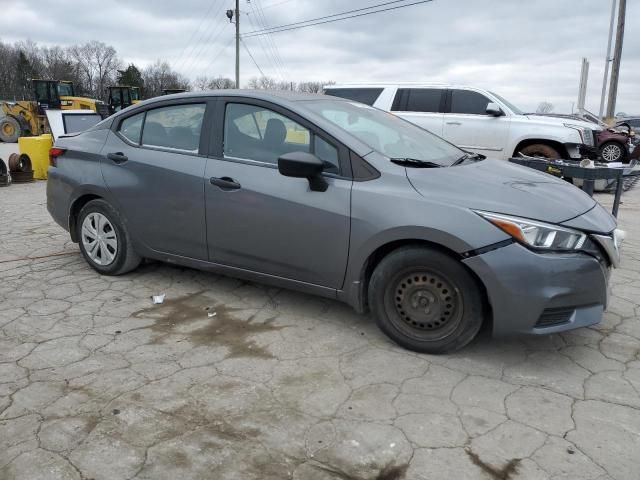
502 187
558 121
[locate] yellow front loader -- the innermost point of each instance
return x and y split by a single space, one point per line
27 117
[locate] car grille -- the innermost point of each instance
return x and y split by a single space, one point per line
554 316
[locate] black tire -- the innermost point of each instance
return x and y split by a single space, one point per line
541 150
10 130
125 259
425 300
612 152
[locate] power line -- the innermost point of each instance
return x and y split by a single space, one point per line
193 34
222 50
212 38
270 40
264 45
254 60
298 25
198 37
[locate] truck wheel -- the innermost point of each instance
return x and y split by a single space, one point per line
540 150
104 241
612 152
10 130
425 301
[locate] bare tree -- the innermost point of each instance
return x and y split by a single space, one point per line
160 76
545 107
97 64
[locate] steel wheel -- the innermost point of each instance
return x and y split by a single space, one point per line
99 239
427 305
611 152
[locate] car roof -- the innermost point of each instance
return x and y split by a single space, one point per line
401 85
290 100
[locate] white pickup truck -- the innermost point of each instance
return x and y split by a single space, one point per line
476 120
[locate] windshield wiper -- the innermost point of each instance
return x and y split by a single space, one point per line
468 156
415 163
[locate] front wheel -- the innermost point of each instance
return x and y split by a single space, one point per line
104 241
541 150
10 130
425 301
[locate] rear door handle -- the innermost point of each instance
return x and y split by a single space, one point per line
454 123
225 183
117 157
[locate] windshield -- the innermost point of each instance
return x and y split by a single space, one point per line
135 93
386 133
509 105
65 89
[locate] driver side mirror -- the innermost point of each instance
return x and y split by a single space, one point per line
303 165
494 110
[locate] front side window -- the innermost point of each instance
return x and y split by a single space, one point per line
466 101
131 127
256 133
385 132
425 100
177 127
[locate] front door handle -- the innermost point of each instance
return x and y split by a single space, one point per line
225 183
117 157
454 123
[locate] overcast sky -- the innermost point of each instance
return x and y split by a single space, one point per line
527 50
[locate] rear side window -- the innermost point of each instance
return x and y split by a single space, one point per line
131 128
368 96
466 101
417 100
177 127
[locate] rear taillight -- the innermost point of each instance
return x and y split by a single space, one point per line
54 153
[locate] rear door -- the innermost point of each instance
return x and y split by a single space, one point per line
262 221
153 166
422 106
467 124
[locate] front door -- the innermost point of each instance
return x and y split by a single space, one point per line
152 167
468 125
261 221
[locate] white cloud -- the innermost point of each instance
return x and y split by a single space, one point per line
530 51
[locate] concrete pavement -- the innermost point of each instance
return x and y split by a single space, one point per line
98 383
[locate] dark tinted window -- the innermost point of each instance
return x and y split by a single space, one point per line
466 101
177 127
74 122
417 100
367 96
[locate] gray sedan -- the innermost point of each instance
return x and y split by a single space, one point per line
338 199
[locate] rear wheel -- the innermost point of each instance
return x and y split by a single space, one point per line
104 241
540 150
10 130
612 152
425 300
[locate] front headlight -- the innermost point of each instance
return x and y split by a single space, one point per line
536 234
585 133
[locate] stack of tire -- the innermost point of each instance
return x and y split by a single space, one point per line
20 168
5 176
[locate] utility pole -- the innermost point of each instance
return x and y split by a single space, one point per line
617 54
582 90
607 59
237 43
230 15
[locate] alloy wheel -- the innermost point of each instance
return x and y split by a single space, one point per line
611 152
